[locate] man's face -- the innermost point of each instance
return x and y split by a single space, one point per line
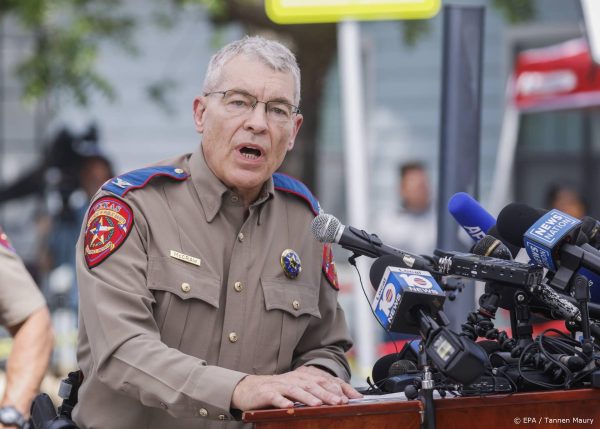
244 151
414 190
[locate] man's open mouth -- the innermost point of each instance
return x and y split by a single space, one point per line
250 152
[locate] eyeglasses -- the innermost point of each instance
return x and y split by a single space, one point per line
239 103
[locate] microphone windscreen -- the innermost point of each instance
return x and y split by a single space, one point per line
469 213
378 268
325 227
515 219
491 246
401 367
514 250
381 369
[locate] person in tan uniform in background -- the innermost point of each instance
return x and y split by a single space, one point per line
24 314
202 290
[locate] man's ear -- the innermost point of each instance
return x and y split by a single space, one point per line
199 109
298 119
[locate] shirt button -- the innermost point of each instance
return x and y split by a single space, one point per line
185 287
178 170
238 286
222 417
241 236
233 337
203 412
296 304
235 198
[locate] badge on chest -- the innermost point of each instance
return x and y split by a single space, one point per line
291 264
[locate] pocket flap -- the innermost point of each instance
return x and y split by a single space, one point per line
292 297
184 280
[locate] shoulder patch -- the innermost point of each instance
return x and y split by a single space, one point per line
136 179
329 267
5 242
290 185
108 224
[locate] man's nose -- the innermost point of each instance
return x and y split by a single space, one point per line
258 119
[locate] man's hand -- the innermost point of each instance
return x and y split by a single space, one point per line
306 384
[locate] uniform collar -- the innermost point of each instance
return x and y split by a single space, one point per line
211 190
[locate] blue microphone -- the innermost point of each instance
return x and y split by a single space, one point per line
470 215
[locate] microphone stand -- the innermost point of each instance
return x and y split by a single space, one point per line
581 291
426 392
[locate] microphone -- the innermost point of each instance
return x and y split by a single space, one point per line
401 367
475 219
408 300
401 293
327 228
548 242
573 362
402 373
514 250
559 306
381 368
491 246
469 214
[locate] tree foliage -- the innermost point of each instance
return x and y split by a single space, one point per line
66 40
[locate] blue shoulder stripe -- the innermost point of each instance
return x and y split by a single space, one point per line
290 185
136 179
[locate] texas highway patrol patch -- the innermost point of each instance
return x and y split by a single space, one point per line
108 224
329 267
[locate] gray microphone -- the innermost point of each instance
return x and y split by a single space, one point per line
327 228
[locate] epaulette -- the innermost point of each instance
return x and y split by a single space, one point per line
290 185
137 179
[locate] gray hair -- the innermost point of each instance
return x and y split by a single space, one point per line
270 52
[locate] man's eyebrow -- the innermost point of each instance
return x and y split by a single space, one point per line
280 99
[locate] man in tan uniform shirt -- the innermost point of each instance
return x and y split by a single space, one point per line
199 278
24 314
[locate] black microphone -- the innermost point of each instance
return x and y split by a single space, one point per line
327 228
514 250
402 373
491 246
516 218
548 240
381 368
559 306
573 362
401 367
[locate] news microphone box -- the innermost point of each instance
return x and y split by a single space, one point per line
546 234
401 293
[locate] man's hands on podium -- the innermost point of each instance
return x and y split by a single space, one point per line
307 384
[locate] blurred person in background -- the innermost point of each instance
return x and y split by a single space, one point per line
202 290
24 314
412 227
567 199
57 253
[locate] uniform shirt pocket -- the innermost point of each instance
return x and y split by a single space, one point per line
288 307
180 288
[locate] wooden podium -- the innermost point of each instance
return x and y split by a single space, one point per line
564 409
